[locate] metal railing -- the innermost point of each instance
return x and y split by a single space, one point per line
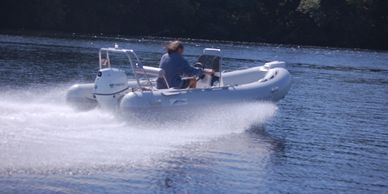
134 62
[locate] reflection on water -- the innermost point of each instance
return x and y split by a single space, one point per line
328 134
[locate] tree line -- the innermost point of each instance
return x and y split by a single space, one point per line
339 23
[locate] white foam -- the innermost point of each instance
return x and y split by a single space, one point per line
39 132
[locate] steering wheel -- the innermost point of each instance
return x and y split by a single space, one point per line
199 65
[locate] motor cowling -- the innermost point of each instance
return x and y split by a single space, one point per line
110 85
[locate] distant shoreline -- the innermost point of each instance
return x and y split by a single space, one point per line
324 23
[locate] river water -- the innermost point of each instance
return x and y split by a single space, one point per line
330 133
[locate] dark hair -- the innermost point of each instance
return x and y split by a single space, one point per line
174 46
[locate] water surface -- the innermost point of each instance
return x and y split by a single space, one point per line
328 135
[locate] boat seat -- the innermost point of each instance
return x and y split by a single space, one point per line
151 71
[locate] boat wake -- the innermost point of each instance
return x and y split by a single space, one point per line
40 133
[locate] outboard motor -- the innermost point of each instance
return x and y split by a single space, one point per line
111 84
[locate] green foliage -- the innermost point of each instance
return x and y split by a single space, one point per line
345 23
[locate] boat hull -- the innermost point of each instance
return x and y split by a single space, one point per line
269 85
271 90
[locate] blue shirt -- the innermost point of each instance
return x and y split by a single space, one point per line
175 66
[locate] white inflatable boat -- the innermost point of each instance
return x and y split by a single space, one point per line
113 89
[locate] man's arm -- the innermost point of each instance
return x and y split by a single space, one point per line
191 71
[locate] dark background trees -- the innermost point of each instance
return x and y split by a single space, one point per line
342 23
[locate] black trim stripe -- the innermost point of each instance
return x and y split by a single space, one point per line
112 93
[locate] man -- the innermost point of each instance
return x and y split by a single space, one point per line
176 66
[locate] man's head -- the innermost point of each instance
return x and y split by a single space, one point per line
175 47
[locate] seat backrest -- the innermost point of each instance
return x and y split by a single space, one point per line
151 71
